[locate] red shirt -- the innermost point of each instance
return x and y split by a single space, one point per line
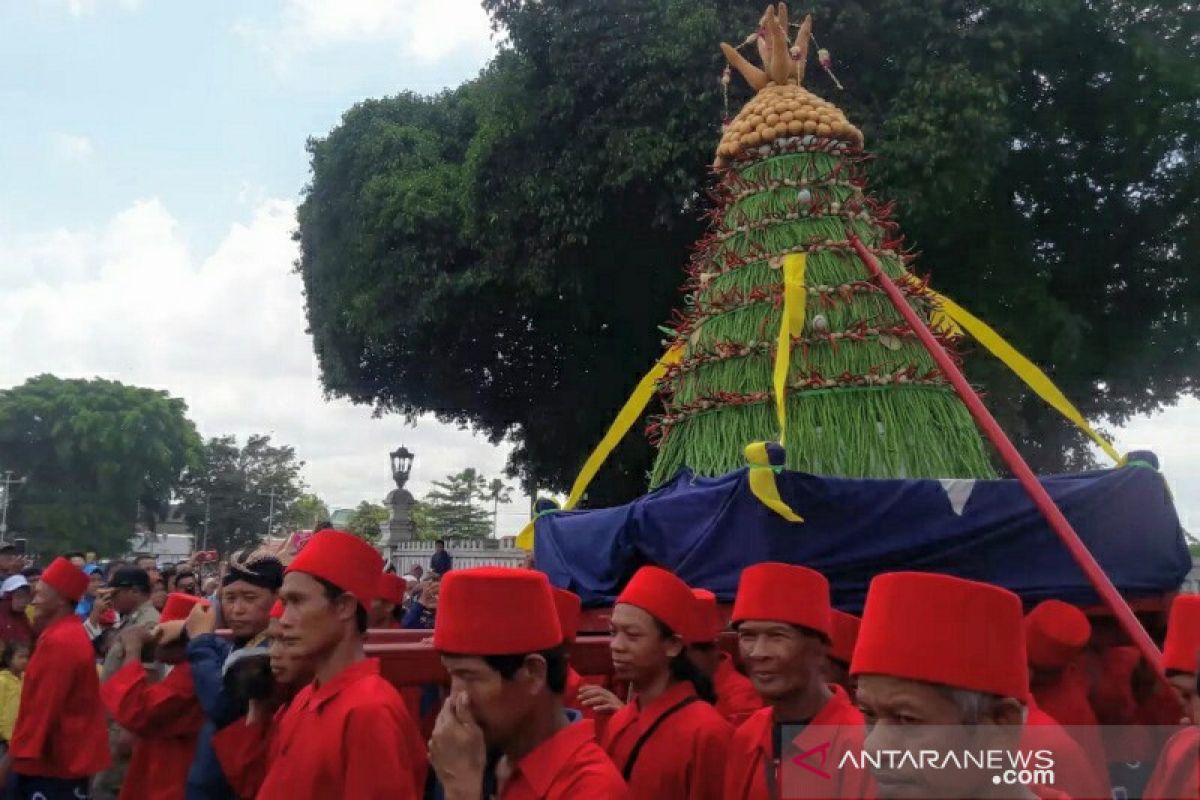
685 757
61 731
567 766
166 718
350 737
1177 774
736 698
1074 774
1066 700
14 627
243 750
752 753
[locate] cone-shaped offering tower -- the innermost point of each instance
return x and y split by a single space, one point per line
864 398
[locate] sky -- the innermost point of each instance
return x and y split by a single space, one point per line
152 155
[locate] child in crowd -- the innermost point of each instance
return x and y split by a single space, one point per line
13 662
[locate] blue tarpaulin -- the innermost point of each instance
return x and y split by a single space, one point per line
708 529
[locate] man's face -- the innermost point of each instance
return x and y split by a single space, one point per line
78 561
126 600
639 651
8 563
780 659
312 624
186 584
1184 684
95 581
906 715
145 562
20 599
47 604
381 613
499 706
287 668
246 608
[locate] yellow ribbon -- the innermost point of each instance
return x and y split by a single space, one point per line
762 479
791 324
1025 369
629 414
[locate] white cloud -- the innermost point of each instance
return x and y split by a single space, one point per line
84 8
1171 435
71 147
225 331
428 30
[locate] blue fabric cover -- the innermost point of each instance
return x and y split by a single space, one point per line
708 529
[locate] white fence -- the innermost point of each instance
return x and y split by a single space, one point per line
501 552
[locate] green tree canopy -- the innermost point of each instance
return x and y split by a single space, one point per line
305 512
451 509
241 491
365 521
97 457
502 254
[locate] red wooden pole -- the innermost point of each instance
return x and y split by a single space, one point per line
1070 539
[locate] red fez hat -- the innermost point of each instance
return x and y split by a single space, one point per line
664 597
344 560
495 611
708 616
65 578
939 629
783 593
1183 634
569 608
1055 632
179 605
391 588
843 635
277 610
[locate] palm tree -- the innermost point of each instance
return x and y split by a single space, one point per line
498 493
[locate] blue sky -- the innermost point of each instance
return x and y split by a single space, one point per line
151 155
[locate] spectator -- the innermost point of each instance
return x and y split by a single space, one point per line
14 600
77 558
111 567
441 562
14 660
424 608
33 575
95 582
158 594
10 562
185 582
145 562
390 594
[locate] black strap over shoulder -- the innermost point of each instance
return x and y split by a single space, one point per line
645 737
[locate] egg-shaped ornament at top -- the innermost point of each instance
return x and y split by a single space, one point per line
863 398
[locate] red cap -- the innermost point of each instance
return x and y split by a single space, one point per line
65 578
569 608
939 629
708 617
277 610
391 588
495 611
664 597
783 593
1183 634
344 560
179 605
843 635
1055 633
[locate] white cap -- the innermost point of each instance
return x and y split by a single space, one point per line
11 584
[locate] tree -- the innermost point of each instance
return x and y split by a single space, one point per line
502 254
242 491
98 456
305 512
451 508
365 521
498 493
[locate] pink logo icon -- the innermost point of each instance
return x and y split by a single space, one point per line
822 751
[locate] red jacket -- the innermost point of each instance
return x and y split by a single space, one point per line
567 766
14 627
736 698
350 737
243 750
1074 774
1177 774
166 718
684 759
61 731
752 752
1066 700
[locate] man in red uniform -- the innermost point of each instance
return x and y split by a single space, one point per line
782 618
843 634
61 738
165 716
383 607
1177 774
736 698
669 742
941 666
1181 647
507 671
347 734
